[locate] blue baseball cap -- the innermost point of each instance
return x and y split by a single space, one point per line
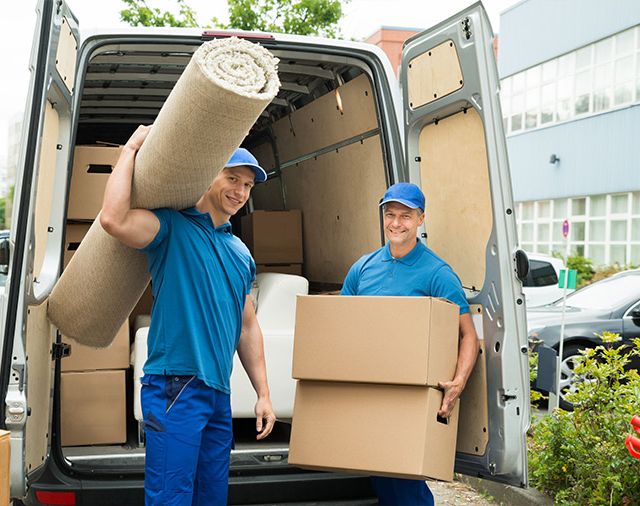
241 157
407 194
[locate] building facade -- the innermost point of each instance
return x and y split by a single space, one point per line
390 39
570 93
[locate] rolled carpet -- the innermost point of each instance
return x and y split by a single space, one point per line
221 93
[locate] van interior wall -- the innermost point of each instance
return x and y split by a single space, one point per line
331 167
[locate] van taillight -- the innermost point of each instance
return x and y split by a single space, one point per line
56 498
220 34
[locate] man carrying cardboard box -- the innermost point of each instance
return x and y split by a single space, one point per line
406 267
201 276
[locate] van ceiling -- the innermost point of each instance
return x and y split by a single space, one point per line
128 83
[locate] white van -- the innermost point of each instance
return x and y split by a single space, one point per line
340 130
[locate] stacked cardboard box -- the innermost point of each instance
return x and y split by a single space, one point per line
92 390
366 399
92 166
275 240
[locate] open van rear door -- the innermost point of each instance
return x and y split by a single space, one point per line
36 235
456 151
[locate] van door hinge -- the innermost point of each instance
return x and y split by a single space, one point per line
466 28
16 403
60 350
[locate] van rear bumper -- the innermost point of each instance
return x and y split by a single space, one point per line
287 485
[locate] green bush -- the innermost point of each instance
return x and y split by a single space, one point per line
583 266
579 457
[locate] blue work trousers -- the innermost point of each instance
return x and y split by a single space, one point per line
189 437
401 492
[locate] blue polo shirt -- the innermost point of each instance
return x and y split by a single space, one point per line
201 276
419 273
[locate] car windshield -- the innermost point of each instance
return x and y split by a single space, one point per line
606 294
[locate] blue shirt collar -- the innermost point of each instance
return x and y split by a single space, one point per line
409 259
193 211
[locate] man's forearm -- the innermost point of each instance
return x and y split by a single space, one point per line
251 354
467 354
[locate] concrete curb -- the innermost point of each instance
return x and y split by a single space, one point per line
507 495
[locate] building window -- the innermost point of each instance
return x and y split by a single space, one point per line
604 228
591 79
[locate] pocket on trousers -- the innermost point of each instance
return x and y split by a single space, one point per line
152 423
174 387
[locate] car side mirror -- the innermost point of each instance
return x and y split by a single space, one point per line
4 256
522 265
635 313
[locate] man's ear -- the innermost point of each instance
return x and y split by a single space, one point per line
422 216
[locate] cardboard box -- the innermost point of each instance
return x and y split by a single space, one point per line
92 166
74 233
5 460
281 268
86 358
92 408
390 340
387 430
274 237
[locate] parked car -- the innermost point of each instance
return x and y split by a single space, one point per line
540 287
609 305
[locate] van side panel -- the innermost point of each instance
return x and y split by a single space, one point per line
336 116
455 181
473 437
434 74
45 187
67 54
39 337
337 195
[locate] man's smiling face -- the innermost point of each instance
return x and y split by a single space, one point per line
401 223
231 188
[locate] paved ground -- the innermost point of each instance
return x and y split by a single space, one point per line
458 494
445 494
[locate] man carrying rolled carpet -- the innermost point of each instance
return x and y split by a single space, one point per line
406 267
201 276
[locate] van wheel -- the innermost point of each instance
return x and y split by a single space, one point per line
568 379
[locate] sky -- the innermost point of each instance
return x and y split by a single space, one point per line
361 19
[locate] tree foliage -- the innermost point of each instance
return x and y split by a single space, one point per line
301 17
138 13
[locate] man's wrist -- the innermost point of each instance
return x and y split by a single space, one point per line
130 148
264 396
459 382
